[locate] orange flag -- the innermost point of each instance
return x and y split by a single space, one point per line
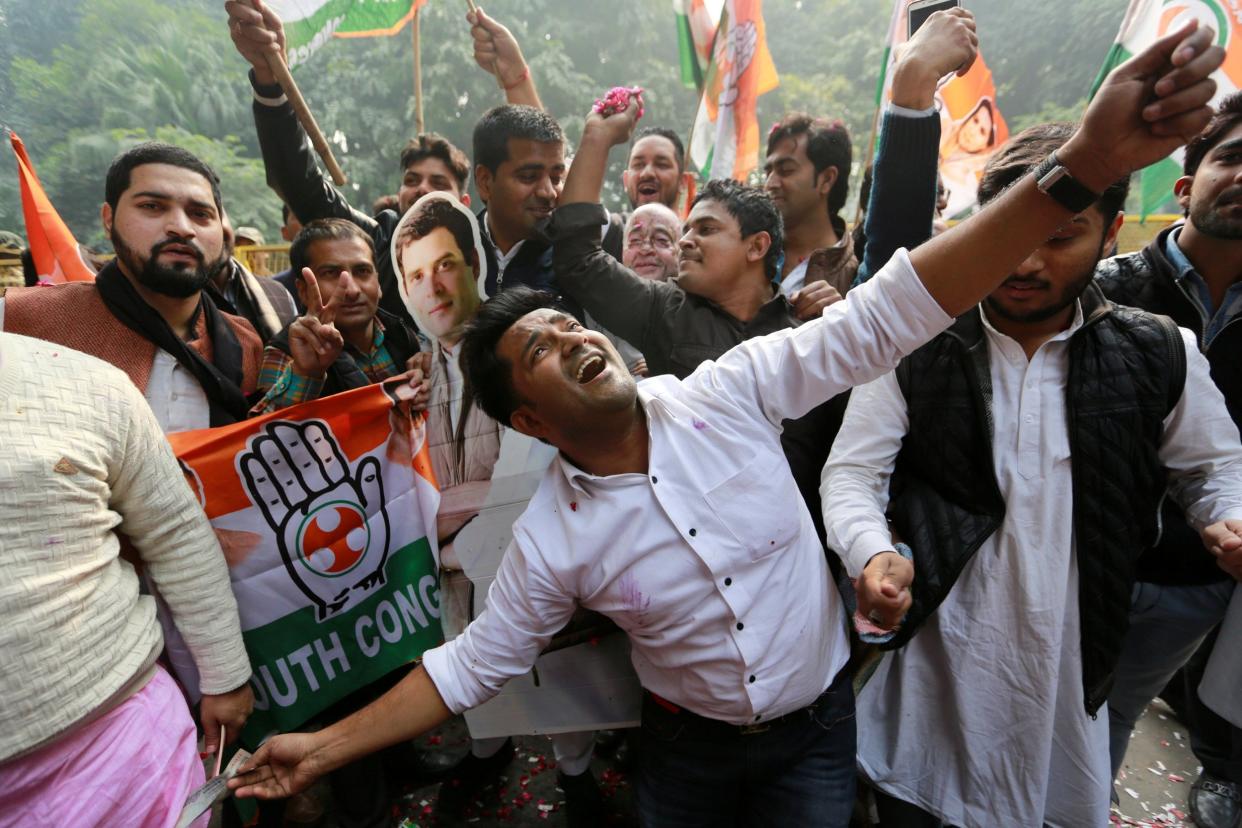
52 245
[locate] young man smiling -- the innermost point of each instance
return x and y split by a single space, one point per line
670 508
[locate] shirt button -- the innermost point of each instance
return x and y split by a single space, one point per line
655 479
752 679
740 625
758 716
693 532
728 582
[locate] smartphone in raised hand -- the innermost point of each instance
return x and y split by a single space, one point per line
918 12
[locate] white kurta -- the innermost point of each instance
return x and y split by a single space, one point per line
980 719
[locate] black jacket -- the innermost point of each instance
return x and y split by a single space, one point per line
1127 370
345 375
1148 280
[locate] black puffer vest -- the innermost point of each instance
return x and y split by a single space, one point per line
1126 372
1149 280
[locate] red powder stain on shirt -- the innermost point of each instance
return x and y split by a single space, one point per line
573 505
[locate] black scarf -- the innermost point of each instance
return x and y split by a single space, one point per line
220 379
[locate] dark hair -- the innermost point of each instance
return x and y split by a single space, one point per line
329 229
754 210
435 145
679 149
155 152
436 213
827 145
499 124
1228 115
489 377
1026 150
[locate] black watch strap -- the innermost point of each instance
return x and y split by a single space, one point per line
1055 179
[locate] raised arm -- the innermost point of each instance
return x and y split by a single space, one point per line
903 189
1147 108
292 169
496 50
626 304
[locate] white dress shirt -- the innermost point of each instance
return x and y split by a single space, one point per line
980 718
709 561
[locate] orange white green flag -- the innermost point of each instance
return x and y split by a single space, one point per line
696 31
310 24
971 124
1145 22
57 257
326 514
725 140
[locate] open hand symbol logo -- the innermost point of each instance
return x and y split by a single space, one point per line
330 521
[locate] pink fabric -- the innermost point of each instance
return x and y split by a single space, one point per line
133 767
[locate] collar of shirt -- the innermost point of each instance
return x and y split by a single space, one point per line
377 339
1010 347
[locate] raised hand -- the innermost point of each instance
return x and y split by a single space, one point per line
615 128
883 590
496 50
1146 108
314 342
944 45
256 32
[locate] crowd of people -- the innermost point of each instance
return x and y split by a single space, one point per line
948 593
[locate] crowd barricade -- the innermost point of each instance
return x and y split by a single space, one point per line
264 259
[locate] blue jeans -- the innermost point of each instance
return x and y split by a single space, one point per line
1167 624
798 772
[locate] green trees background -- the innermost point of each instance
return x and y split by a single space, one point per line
82 79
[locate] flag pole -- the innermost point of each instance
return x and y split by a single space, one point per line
418 72
276 62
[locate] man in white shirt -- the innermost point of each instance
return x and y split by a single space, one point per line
671 508
1028 449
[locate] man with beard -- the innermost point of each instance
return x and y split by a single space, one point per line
655 171
1191 273
1022 455
669 507
147 311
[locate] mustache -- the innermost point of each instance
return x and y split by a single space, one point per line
1231 195
1026 281
171 242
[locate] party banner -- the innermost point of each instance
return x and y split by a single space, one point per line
326 513
1145 22
309 24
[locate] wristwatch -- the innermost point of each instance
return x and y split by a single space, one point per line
1055 179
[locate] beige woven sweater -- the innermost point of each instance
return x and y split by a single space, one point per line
81 457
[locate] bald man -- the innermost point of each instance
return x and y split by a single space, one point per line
650 244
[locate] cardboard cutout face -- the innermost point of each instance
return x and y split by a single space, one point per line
441 266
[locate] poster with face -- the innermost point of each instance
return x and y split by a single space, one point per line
486 474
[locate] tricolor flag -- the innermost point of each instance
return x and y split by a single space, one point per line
310 23
971 124
1145 22
326 513
725 140
696 30
55 251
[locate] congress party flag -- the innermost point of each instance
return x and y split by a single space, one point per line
971 124
696 31
725 140
309 24
326 513
57 257
1145 22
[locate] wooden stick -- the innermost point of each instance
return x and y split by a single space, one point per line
418 73
276 62
495 64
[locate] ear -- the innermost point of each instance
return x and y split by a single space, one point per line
105 218
625 179
758 245
1110 238
825 181
483 181
1181 189
465 199
525 420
